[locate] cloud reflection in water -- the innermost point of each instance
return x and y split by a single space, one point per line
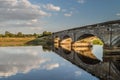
22 60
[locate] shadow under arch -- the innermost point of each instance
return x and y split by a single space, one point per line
85 36
66 36
88 60
67 52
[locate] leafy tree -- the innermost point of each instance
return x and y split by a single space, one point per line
35 35
1 35
8 34
19 34
45 33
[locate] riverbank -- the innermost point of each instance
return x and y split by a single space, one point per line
24 41
9 41
46 40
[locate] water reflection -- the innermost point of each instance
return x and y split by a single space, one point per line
97 50
83 49
91 59
22 60
32 63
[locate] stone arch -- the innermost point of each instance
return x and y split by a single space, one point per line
87 35
66 36
83 50
84 36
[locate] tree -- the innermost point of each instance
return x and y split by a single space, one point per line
1 35
19 34
46 33
7 34
35 35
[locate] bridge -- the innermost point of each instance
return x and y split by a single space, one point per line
75 45
108 32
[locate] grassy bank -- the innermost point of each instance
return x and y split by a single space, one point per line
46 40
25 41
9 41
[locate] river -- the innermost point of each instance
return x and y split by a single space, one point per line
34 63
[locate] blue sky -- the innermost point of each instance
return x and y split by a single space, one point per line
36 16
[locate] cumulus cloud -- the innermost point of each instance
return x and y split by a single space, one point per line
78 73
68 14
19 10
21 13
118 14
81 1
51 66
52 7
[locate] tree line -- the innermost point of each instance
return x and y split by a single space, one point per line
20 34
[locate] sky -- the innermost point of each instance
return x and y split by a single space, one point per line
36 16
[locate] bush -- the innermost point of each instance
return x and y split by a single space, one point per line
97 42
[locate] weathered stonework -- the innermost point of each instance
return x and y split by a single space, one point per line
108 32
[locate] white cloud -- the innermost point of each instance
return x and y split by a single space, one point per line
118 14
51 66
81 1
68 14
19 10
19 60
34 20
78 73
52 7
36 28
20 13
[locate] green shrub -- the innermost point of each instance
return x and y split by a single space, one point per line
97 42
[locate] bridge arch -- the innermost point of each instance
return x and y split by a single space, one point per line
84 36
90 36
83 48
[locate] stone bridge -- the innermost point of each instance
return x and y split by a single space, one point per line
108 32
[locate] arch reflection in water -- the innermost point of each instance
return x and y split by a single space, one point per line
86 55
93 54
89 47
56 42
105 70
66 44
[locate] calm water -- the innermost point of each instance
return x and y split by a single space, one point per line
32 63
